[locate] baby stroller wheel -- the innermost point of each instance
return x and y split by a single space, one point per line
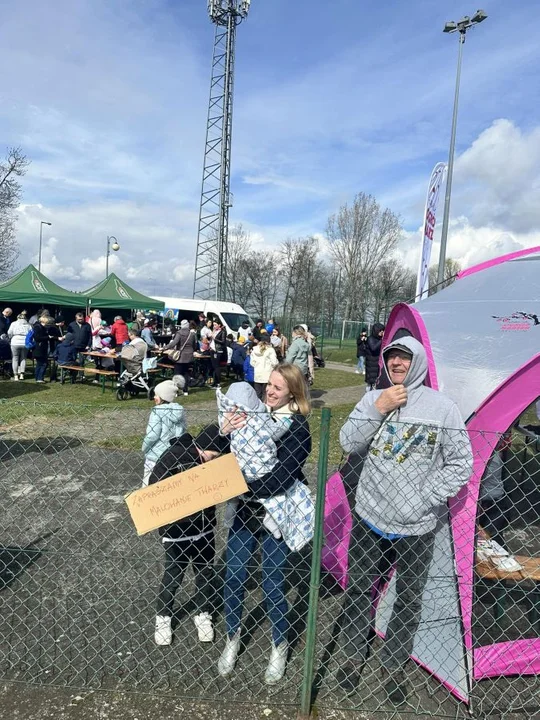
122 393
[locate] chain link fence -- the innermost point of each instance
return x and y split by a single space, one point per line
87 603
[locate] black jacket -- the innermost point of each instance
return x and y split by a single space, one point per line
66 353
220 341
361 346
182 455
41 342
82 334
373 351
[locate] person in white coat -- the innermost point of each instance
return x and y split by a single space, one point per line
17 333
263 359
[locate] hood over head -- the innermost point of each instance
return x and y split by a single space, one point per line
241 393
419 367
376 329
186 451
68 338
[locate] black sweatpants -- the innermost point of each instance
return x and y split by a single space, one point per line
370 558
178 555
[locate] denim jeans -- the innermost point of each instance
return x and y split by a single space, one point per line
370 558
240 548
361 366
41 369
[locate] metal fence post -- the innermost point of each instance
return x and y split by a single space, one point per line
315 579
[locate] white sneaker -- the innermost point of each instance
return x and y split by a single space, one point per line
163 633
15 378
21 376
278 661
228 657
357 372
203 623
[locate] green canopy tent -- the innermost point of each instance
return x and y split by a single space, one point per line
30 286
114 293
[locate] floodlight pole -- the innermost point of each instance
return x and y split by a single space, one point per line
462 26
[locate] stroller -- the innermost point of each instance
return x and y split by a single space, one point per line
135 378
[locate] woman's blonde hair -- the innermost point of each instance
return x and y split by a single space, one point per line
297 386
299 330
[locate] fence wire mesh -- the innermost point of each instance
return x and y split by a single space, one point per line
85 602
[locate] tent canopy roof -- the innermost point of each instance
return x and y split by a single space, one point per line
481 329
114 293
31 286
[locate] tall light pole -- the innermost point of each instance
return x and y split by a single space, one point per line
115 246
210 276
41 224
460 27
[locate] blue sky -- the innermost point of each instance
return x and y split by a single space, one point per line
109 99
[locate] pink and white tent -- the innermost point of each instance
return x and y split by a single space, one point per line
482 337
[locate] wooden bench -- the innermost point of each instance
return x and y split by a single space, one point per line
527 580
102 374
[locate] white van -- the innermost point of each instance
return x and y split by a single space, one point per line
230 314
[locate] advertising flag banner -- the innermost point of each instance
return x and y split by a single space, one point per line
430 219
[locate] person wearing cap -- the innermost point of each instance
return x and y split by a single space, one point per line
417 456
167 421
238 357
190 540
185 342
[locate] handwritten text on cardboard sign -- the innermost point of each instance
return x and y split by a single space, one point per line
186 493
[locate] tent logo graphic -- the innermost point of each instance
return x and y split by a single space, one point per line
36 283
121 290
517 321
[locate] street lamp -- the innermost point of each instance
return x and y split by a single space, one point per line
466 23
41 224
115 246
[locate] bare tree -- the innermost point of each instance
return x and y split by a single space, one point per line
451 269
238 284
301 273
12 168
393 283
361 237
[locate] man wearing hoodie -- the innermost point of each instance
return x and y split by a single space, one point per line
190 540
417 455
167 421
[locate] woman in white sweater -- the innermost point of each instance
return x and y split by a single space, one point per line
17 336
263 358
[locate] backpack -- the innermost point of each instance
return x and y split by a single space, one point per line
29 341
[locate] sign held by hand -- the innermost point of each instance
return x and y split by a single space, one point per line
186 493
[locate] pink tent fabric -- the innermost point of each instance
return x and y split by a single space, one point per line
337 530
482 336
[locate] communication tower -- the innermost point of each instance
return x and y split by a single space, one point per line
211 259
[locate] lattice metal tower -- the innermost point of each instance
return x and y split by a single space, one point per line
211 260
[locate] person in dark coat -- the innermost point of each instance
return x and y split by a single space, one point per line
373 351
185 341
190 540
361 341
239 355
41 348
65 353
82 334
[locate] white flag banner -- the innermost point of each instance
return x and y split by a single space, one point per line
430 219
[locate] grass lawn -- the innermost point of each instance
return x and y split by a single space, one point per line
344 354
326 379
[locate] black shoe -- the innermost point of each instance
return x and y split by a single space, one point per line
396 688
348 676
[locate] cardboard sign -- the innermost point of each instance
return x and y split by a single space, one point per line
186 493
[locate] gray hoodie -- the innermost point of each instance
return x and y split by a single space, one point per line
415 457
166 422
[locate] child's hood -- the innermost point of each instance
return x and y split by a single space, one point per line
172 412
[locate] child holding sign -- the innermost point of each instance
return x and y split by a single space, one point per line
190 540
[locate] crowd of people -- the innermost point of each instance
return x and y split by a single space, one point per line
416 454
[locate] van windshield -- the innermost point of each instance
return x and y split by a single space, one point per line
234 320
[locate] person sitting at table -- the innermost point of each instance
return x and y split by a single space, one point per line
133 354
147 334
66 354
